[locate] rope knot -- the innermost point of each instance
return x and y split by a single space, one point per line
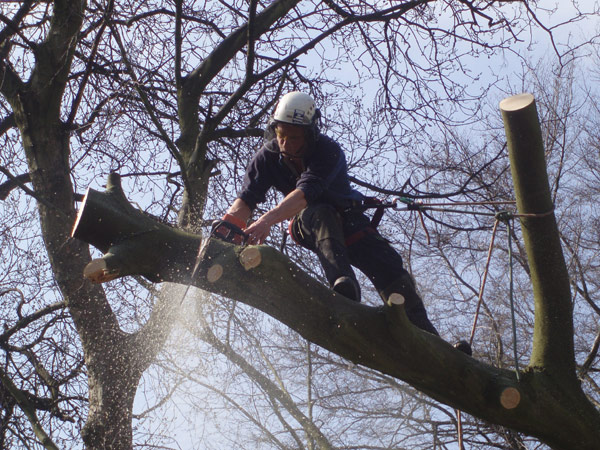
504 216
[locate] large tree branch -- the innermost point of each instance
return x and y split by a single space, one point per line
380 338
54 55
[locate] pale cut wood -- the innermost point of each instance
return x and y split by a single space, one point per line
250 258
97 272
214 273
510 398
516 102
395 299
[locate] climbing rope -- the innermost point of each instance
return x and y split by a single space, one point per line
412 205
483 281
507 219
501 216
420 207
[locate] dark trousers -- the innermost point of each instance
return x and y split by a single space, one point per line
367 250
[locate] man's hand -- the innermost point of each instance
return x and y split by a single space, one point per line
291 205
258 231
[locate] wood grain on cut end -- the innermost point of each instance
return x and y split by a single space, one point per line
214 273
510 398
516 102
250 258
395 299
97 272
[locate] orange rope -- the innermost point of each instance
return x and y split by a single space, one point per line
424 227
461 445
483 281
459 427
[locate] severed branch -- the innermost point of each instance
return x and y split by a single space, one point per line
133 242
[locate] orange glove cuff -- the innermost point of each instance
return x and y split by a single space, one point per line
234 220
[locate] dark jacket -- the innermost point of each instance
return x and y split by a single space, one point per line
325 179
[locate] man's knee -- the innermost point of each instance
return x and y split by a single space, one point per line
315 223
313 215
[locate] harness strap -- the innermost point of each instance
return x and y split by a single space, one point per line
355 237
368 202
374 202
291 230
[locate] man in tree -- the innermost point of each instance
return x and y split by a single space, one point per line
310 169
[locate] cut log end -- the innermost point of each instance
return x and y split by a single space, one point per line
250 258
395 299
98 272
510 398
214 273
516 102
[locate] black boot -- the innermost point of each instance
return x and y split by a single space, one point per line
464 347
348 287
338 271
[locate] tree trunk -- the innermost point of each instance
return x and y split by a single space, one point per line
114 359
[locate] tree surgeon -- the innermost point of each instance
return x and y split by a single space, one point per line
310 169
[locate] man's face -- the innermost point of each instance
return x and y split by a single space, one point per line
291 139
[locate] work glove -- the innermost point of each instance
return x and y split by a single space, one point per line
229 229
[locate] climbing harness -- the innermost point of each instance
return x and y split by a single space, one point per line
368 203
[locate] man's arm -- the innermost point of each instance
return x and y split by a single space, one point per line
240 210
291 205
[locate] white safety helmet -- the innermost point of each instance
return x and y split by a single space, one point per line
296 108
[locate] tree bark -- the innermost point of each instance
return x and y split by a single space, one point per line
553 329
